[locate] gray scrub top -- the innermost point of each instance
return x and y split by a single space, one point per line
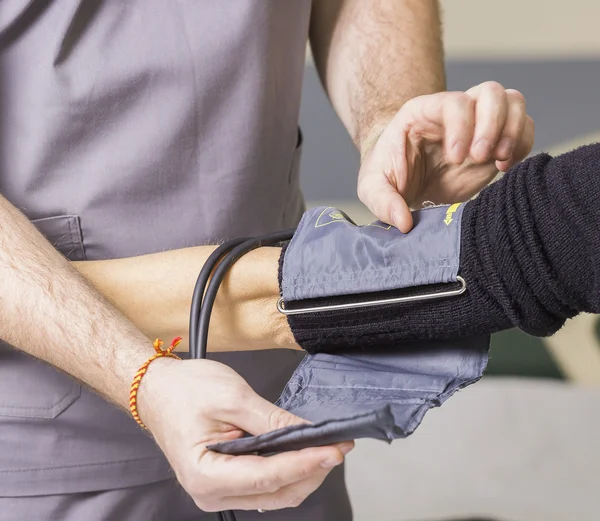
128 128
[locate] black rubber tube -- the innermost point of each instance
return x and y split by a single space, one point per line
220 261
215 282
209 266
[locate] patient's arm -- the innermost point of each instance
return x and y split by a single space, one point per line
155 291
530 253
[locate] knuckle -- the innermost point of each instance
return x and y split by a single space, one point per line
267 485
205 497
200 484
278 418
202 492
458 104
207 505
459 97
305 472
465 100
493 87
288 500
515 96
295 501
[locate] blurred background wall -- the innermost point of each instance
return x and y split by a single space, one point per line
520 29
522 444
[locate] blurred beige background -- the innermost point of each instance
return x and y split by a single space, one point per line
519 29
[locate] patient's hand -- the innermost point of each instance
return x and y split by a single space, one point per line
443 148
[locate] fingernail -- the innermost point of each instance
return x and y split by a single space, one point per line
505 148
459 151
482 149
330 463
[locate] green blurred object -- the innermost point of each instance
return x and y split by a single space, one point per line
513 353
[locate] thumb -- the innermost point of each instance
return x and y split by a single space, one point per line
388 206
261 416
258 416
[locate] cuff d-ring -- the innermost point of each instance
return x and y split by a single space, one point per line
410 298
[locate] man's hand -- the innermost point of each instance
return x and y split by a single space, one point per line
188 405
443 148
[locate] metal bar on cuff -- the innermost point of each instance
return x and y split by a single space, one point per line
351 305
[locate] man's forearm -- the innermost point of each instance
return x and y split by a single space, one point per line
155 292
52 313
374 56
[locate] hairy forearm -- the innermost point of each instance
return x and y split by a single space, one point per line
155 292
54 314
374 56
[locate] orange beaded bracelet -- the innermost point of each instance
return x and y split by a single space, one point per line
160 353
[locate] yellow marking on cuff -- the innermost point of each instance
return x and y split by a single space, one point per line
450 212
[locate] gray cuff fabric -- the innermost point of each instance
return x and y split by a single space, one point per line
330 255
382 396
331 261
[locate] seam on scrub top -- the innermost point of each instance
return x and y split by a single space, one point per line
63 398
74 242
103 464
76 235
370 273
293 173
195 90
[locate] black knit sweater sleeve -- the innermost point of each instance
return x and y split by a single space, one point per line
530 253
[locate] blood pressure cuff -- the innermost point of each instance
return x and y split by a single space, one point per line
364 391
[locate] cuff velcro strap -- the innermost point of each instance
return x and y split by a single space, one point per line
332 262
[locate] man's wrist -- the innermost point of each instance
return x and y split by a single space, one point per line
124 363
369 138
150 387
